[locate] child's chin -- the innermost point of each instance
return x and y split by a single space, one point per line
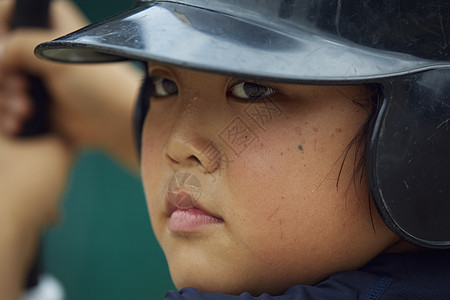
212 288
220 283
207 284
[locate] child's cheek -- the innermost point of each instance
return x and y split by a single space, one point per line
277 173
154 168
286 179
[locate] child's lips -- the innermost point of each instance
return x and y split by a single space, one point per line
186 215
191 220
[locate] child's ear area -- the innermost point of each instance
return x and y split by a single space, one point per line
402 246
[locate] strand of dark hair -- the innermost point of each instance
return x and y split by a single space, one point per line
372 104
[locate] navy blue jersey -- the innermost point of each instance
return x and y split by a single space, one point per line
424 275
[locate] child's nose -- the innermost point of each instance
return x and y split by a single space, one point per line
190 143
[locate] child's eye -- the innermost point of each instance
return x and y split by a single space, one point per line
249 90
164 87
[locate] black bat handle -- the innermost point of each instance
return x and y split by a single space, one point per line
34 13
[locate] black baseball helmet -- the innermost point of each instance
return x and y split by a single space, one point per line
401 45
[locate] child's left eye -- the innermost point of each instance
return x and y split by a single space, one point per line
249 90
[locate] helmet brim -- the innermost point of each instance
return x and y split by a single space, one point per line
214 41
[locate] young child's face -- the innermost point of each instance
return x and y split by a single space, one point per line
241 182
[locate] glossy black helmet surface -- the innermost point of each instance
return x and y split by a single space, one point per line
303 40
402 45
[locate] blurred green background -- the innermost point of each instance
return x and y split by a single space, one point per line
104 247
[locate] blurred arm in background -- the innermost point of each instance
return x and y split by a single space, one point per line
91 107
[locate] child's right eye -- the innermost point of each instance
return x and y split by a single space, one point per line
163 87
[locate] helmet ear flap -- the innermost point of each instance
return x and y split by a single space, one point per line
409 161
141 109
